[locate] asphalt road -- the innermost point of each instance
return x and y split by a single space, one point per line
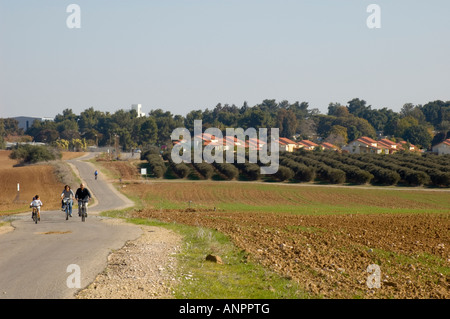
55 258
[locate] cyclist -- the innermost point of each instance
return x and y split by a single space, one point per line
82 194
67 193
96 174
36 203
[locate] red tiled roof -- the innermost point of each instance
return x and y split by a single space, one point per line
329 145
307 143
388 142
234 140
383 144
285 141
446 142
366 140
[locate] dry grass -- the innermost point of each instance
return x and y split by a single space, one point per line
33 179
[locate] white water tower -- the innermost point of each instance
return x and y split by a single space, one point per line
138 108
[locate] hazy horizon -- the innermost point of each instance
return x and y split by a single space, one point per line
182 56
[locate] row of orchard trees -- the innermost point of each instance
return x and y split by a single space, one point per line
326 166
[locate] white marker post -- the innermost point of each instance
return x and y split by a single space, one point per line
17 199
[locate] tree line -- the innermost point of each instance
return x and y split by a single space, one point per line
421 125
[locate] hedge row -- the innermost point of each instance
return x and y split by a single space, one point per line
407 175
205 169
301 172
157 165
323 172
228 170
353 173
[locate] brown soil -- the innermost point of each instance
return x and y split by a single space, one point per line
329 254
33 179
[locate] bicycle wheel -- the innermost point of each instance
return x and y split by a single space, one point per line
35 215
83 212
66 208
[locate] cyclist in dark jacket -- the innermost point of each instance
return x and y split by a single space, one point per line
82 194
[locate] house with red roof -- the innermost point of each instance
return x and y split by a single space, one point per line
442 148
364 145
329 146
254 144
388 146
287 144
307 145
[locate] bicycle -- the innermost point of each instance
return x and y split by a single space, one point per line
66 207
36 215
82 207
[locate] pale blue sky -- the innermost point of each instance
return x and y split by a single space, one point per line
181 55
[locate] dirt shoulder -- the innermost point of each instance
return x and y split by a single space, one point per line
5 228
142 269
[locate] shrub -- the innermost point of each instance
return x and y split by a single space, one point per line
157 165
153 150
182 170
31 154
227 169
440 178
206 169
252 171
301 172
284 173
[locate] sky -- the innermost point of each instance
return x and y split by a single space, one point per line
184 55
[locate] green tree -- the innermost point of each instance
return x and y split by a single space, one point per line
418 135
2 134
403 124
287 123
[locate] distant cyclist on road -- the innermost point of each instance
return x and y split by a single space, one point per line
82 194
96 174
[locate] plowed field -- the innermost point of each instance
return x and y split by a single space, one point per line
305 234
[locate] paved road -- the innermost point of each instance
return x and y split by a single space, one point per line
34 259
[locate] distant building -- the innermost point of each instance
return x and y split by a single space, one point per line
329 146
138 109
287 144
307 145
442 148
25 122
364 145
388 145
